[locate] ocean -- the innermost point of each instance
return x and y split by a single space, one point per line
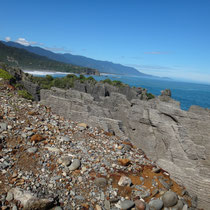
187 93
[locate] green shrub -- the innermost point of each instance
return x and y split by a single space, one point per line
5 75
72 76
150 96
109 81
82 78
117 83
19 86
49 77
25 94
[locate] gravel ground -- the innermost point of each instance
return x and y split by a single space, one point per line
47 162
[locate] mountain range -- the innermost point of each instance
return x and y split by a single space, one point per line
18 57
101 66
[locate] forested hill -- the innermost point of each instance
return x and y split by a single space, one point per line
30 61
101 66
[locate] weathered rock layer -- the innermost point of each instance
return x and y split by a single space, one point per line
177 140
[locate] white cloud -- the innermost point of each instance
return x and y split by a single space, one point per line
23 41
8 38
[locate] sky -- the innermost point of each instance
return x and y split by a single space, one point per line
167 38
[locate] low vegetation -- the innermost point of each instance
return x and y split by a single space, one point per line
68 81
25 94
150 96
5 75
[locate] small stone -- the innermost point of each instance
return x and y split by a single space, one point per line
124 181
79 197
10 196
80 179
178 206
170 199
185 207
75 165
14 208
126 204
140 205
37 138
155 192
107 205
3 127
82 126
98 207
101 182
124 162
32 150
64 138
156 170
65 160
165 184
156 204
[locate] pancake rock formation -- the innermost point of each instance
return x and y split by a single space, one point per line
178 141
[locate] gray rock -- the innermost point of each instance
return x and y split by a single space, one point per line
165 184
107 204
79 197
170 199
14 208
126 204
65 138
156 170
124 181
57 208
65 160
101 182
3 127
185 207
10 196
156 204
32 150
75 165
29 201
178 141
178 206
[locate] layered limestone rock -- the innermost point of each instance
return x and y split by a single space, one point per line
177 140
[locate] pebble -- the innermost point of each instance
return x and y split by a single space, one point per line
65 138
170 199
156 204
101 182
185 207
65 160
75 165
124 181
14 208
126 204
107 204
178 206
57 208
98 207
140 205
10 196
32 150
166 185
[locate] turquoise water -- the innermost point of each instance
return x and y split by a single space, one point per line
187 93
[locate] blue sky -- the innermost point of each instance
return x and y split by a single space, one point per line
161 37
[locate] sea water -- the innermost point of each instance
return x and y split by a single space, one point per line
186 93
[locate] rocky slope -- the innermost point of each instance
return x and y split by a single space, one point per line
48 162
176 140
